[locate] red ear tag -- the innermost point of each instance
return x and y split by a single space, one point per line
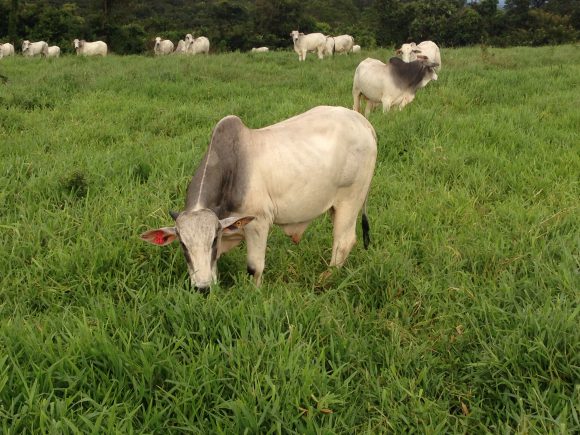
159 238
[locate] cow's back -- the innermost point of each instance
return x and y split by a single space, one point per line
301 164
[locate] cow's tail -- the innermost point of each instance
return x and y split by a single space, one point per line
365 226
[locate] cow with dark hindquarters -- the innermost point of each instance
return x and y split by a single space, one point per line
285 174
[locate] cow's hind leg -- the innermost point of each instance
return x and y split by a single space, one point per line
356 97
344 232
369 108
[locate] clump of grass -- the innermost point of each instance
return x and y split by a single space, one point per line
76 184
141 172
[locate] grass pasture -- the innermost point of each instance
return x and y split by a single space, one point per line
463 316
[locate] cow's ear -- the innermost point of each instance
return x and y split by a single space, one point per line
399 51
234 225
161 236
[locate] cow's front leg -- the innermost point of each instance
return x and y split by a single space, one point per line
256 241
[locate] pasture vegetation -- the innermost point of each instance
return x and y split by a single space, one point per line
463 316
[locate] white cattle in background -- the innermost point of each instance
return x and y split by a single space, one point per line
6 50
180 49
162 47
305 43
30 49
329 46
196 45
53 51
260 50
84 48
356 48
429 49
343 43
392 84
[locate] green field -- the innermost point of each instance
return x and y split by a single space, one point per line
462 317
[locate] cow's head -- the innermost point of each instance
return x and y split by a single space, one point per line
430 73
157 41
408 52
25 45
200 234
77 43
294 34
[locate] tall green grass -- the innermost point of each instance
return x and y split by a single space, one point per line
462 317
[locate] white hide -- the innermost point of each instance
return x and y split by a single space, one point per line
375 82
53 51
180 49
356 48
84 48
409 52
260 50
343 43
196 45
329 46
305 43
30 49
6 50
162 47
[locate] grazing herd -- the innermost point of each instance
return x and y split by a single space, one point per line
286 174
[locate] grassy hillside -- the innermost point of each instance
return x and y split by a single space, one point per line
463 316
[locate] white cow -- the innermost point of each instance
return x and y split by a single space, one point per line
196 45
6 50
343 43
30 49
53 51
392 84
305 43
409 52
84 48
180 47
356 48
286 174
260 50
329 46
162 47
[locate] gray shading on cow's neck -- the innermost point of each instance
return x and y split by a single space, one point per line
220 182
408 75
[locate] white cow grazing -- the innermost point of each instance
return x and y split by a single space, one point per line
305 43
53 51
6 50
329 46
356 48
260 50
196 45
392 84
162 47
343 44
286 174
180 49
409 52
84 48
31 49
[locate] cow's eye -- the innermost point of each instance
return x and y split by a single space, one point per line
213 245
